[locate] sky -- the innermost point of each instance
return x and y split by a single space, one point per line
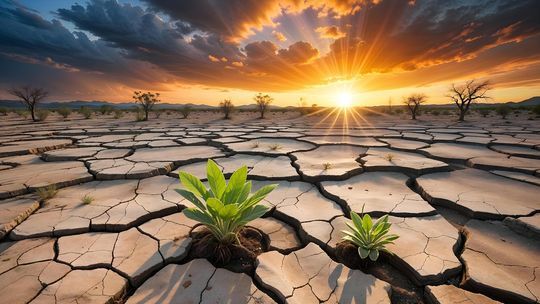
204 51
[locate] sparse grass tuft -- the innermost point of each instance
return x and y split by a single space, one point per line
46 193
389 157
275 147
87 199
255 145
327 166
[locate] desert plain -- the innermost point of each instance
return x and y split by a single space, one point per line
463 197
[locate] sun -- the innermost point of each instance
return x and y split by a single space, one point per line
344 99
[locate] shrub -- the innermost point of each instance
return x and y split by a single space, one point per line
22 113
140 116
185 110
106 109
370 238
85 112
3 111
46 193
503 111
227 208
41 115
536 109
445 112
435 112
64 112
484 112
118 114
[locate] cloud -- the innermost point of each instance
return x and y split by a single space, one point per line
204 42
332 32
279 36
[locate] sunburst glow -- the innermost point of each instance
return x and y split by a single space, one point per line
344 100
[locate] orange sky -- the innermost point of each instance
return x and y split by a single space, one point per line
203 51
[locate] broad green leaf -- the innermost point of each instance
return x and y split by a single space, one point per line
357 221
227 212
214 204
246 190
253 213
363 252
366 222
193 184
191 197
215 177
235 186
259 195
373 254
198 216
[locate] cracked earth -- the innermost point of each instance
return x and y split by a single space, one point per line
464 198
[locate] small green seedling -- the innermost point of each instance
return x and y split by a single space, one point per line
370 238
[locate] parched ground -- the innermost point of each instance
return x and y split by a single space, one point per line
464 198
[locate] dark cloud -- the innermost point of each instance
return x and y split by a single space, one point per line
200 41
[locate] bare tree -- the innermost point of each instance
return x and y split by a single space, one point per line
413 102
185 110
263 101
146 100
30 97
226 107
467 93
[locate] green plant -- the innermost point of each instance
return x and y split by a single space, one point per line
503 110
536 109
227 207
22 113
46 193
118 114
87 199
370 238
41 115
64 112
185 110
85 112
327 166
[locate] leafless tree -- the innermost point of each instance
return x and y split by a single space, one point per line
413 102
470 92
146 100
263 101
30 97
226 107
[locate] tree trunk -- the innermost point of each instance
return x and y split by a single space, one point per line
413 115
146 115
461 115
262 115
33 114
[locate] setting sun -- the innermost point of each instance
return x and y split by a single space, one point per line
344 100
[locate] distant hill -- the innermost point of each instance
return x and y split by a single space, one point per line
533 101
76 104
